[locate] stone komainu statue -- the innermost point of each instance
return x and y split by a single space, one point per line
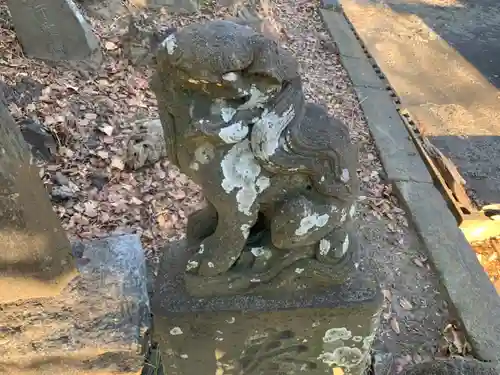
278 174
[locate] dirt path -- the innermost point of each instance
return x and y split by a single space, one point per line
93 114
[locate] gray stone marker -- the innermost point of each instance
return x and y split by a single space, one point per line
35 255
97 326
266 282
53 30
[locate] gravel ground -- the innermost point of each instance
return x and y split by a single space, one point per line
92 115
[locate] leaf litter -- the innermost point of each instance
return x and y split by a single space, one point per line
93 113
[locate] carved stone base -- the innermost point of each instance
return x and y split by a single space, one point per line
311 332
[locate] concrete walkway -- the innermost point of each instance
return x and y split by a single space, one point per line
442 57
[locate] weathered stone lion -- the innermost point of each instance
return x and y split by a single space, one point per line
278 174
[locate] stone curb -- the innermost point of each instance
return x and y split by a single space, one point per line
475 299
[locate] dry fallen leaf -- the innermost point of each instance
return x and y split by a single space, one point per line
106 129
110 46
405 304
387 294
395 325
117 163
418 262
103 154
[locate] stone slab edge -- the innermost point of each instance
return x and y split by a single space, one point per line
476 301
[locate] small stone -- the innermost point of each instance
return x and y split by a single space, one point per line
62 193
176 331
42 143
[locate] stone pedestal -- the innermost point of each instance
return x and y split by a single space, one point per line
311 332
35 254
97 326
53 30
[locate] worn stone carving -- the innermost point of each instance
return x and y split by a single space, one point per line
278 173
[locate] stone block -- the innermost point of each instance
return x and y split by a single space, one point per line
347 43
35 257
97 326
275 333
398 153
53 30
173 6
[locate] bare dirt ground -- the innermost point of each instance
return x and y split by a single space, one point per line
488 254
92 114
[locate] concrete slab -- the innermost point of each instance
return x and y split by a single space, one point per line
399 155
341 33
420 47
397 151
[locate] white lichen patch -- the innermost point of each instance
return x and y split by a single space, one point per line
257 99
245 230
204 153
342 357
231 320
357 338
184 356
170 43
194 166
310 222
263 183
267 131
227 114
201 250
241 171
344 177
324 247
299 270
233 133
231 77
192 264
352 210
343 216
336 334
257 251
345 244
176 331
211 265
